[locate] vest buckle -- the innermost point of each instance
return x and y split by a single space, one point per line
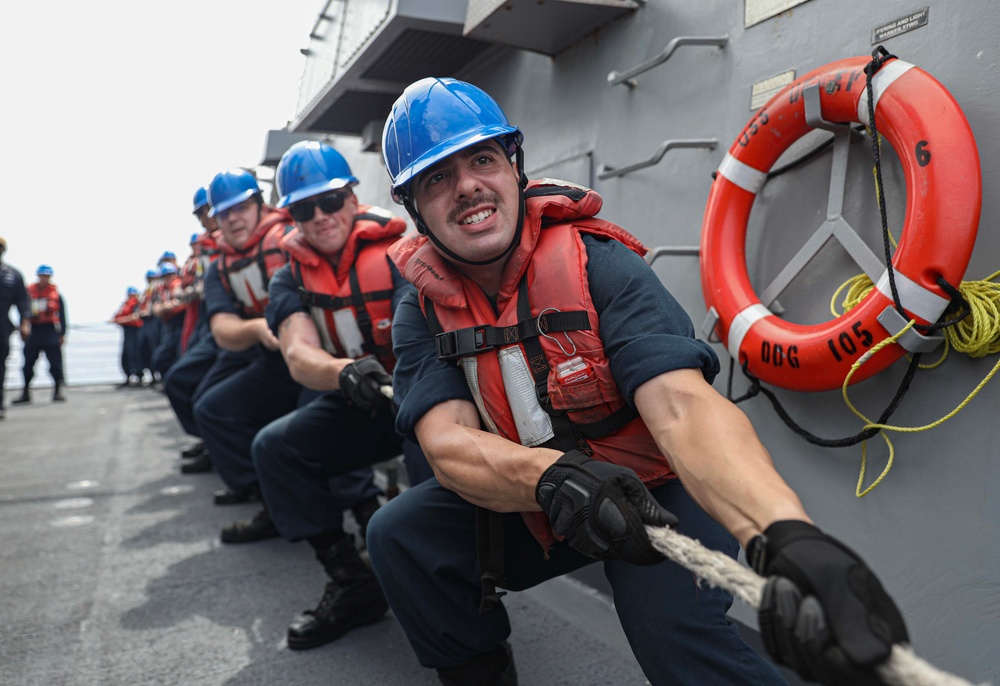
462 342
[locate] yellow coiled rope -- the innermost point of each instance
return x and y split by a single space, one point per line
977 335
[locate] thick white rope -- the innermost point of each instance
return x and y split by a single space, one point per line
903 668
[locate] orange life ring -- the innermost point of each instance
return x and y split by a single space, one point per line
927 129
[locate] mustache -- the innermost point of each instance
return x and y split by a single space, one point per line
472 203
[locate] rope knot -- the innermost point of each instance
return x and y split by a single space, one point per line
879 57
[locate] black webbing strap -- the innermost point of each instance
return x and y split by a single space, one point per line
489 548
361 312
335 302
479 339
567 437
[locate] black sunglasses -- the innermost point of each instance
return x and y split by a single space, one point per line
305 210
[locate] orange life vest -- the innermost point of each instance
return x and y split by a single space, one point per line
189 270
207 250
546 337
246 273
352 305
168 289
44 303
123 317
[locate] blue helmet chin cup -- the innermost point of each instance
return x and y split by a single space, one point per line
309 168
435 118
229 188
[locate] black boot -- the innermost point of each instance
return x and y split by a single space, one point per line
495 668
57 396
194 450
352 598
22 399
202 463
258 528
227 496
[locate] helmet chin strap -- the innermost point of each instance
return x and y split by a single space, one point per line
423 229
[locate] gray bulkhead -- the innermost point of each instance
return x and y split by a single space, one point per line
931 530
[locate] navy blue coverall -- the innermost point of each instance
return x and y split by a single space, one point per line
46 338
12 294
230 413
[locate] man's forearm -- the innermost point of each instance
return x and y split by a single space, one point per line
485 469
235 334
713 448
313 367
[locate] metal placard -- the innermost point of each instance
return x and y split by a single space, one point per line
761 91
757 11
906 23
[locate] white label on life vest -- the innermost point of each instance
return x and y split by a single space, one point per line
348 332
915 298
743 175
534 426
883 78
741 325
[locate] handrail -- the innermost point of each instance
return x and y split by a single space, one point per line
670 250
628 77
609 172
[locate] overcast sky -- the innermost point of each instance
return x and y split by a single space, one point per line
112 114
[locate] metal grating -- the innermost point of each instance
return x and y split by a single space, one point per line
416 54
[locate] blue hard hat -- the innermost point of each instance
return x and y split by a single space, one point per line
434 118
194 238
230 188
200 199
167 255
44 270
167 268
132 290
152 273
309 168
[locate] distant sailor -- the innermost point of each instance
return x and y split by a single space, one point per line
12 294
128 318
196 371
48 333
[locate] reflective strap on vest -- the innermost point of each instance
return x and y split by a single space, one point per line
349 333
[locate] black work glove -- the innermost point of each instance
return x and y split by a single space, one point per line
361 383
823 612
601 509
